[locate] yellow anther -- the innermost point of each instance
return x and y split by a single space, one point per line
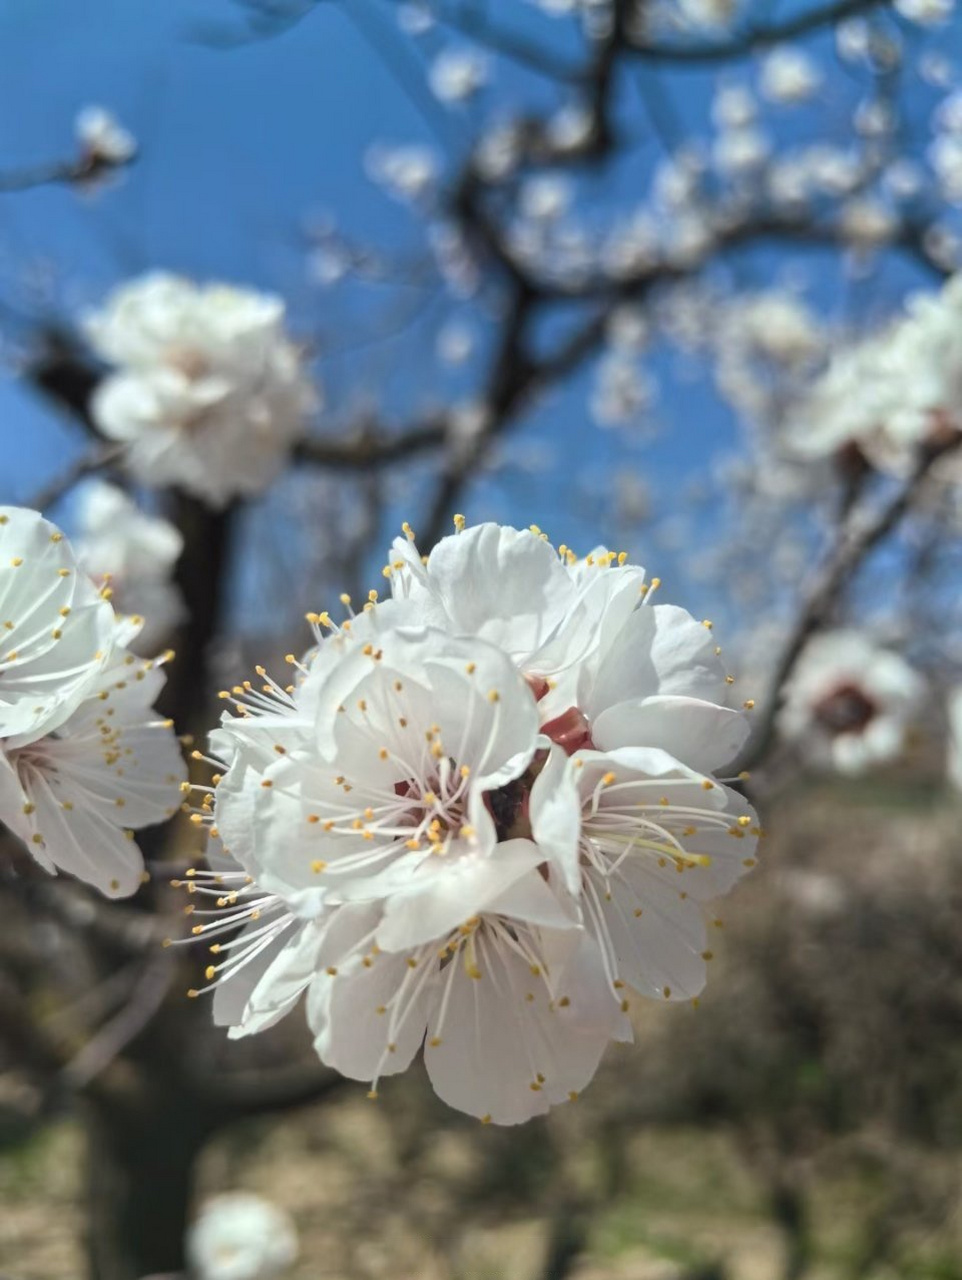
459 523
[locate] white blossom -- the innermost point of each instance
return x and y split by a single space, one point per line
458 74
408 173
708 15
103 139
927 13
623 390
240 1236
84 758
866 222
849 702
208 394
892 393
789 76
134 555
464 823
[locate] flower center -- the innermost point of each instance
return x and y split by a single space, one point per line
846 709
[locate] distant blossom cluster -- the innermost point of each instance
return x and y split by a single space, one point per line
891 394
208 393
485 812
85 760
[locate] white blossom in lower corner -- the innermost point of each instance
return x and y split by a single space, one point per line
484 813
85 760
240 1236
850 702
208 393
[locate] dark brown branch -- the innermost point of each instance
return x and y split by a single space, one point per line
88 168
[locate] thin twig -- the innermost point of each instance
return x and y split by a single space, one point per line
90 463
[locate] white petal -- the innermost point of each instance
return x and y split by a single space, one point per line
700 734
445 892
556 817
503 1056
358 1015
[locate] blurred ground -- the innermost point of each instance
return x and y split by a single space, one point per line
805 1120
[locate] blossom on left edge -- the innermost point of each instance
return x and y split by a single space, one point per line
84 758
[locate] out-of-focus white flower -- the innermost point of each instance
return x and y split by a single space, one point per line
465 823
240 1236
866 223
927 13
627 329
134 554
415 18
740 151
103 139
623 390
945 157
456 342
853 39
948 115
815 893
458 74
677 180
936 69
84 758
631 246
849 703
455 260
709 15
498 152
209 394
874 118
545 197
904 178
780 327
789 75
408 173
831 170
733 107
953 762
569 128
892 393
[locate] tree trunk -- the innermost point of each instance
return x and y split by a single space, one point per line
140 1168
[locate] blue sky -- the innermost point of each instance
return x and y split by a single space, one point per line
240 145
